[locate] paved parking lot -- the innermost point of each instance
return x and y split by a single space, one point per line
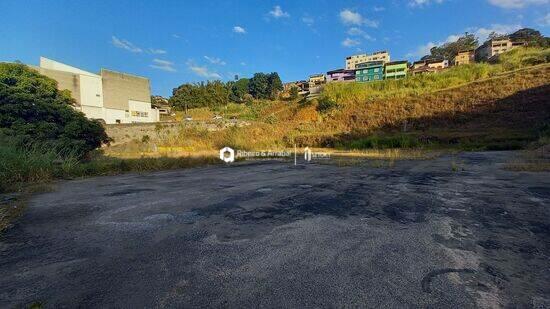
270 234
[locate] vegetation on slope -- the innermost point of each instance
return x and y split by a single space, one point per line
360 93
469 107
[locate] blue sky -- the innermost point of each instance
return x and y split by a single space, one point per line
173 42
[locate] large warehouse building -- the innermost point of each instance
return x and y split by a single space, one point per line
110 96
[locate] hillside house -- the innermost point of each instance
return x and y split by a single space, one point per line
353 61
395 70
437 63
494 47
465 57
340 75
317 80
369 71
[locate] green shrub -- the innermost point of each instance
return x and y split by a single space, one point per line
326 104
33 111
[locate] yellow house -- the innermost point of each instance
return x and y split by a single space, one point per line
465 57
316 80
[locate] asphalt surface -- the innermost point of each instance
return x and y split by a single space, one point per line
454 232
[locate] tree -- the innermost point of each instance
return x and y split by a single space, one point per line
530 36
449 50
33 111
209 94
275 85
239 90
259 87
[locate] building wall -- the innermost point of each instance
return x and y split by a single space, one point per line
65 81
492 48
112 116
91 91
464 58
93 112
120 88
369 74
142 112
46 63
395 71
111 96
315 80
341 76
353 61
438 65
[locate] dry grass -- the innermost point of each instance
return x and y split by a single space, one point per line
495 113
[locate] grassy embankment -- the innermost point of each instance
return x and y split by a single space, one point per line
38 164
472 107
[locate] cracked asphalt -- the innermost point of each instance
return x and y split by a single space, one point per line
270 234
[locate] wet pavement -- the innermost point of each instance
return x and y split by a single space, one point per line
457 231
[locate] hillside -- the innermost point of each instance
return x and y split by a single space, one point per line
480 106
506 109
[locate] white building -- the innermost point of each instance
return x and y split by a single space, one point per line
110 96
354 60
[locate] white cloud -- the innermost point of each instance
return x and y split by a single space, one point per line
481 33
163 65
243 63
175 36
350 42
308 20
517 4
124 44
354 31
157 51
544 21
202 71
239 29
277 12
348 17
214 60
423 2
378 8
422 50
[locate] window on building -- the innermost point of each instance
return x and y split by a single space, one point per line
140 114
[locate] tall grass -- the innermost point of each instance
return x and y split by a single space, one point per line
38 164
18 165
